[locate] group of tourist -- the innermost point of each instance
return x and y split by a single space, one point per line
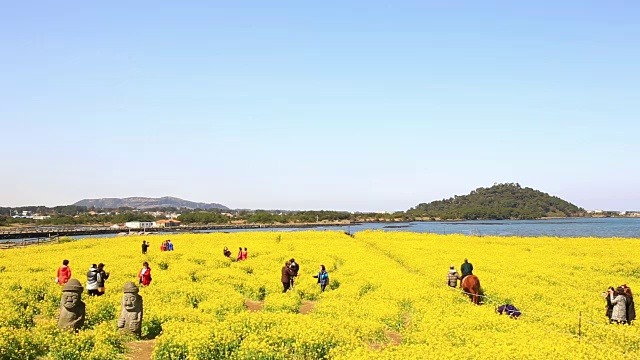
96 276
452 276
242 254
167 245
289 272
620 306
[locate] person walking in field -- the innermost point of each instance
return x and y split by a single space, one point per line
245 254
293 265
145 274
323 277
287 274
145 246
466 268
619 302
64 273
452 277
239 254
92 280
102 277
169 245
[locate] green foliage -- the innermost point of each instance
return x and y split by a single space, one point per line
501 201
203 217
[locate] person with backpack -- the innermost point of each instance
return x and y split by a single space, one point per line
102 277
92 280
293 265
64 273
323 278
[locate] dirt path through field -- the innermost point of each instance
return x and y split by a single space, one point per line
140 350
307 307
253 305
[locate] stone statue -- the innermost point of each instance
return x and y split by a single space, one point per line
131 315
72 309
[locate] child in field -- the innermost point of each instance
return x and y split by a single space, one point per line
64 273
323 277
145 274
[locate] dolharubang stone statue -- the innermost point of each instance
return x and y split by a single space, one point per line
72 309
131 314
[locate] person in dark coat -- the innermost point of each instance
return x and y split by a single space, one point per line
631 307
145 246
609 306
102 277
293 265
466 269
226 252
287 275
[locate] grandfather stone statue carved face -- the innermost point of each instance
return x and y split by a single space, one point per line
70 299
130 301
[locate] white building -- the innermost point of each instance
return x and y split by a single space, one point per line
140 224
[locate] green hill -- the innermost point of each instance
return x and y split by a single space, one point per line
501 201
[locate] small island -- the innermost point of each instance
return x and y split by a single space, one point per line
498 202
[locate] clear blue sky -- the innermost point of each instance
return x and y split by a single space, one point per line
319 105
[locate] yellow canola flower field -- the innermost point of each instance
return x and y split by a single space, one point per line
387 297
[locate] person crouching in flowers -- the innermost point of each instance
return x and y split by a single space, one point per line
323 277
145 274
619 302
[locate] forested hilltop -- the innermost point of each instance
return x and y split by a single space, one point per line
501 201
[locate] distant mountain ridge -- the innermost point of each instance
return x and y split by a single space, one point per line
501 201
146 203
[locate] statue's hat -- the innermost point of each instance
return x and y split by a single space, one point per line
73 285
130 287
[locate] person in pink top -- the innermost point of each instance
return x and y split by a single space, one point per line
64 273
239 254
244 254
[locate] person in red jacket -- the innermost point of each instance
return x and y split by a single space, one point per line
239 254
244 254
64 273
145 274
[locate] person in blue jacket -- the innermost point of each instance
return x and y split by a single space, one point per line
323 277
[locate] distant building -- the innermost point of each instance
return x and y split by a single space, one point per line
40 217
140 224
167 223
